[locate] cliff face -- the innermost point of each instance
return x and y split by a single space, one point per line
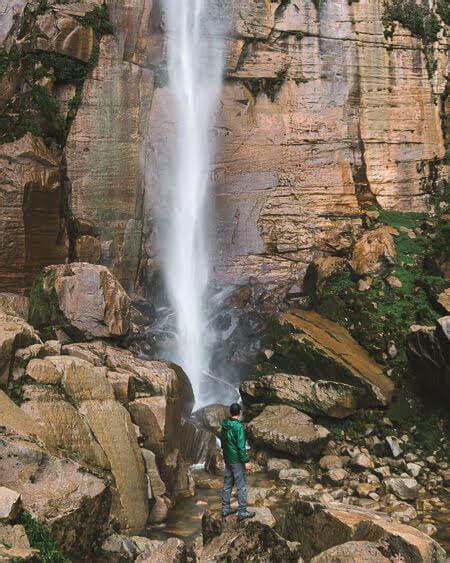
325 109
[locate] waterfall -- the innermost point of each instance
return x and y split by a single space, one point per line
195 55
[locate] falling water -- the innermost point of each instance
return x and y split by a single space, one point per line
195 52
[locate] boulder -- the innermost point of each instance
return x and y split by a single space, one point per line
15 333
293 476
85 300
197 444
328 398
212 416
428 350
112 427
374 251
275 465
66 429
287 430
157 485
10 504
70 501
230 540
352 552
344 524
172 550
321 349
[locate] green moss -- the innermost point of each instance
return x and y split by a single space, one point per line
41 539
269 86
418 18
43 301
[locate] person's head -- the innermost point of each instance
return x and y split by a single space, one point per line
235 409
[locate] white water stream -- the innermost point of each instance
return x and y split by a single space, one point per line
195 53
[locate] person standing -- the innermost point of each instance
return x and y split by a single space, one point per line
236 464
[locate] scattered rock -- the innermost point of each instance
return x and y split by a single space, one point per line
405 488
393 281
364 284
335 476
328 398
285 429
362 461
394 445
332 462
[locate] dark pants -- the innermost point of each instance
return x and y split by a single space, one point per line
234 474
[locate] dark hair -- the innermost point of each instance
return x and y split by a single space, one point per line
235 409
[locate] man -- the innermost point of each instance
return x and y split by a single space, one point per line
236 464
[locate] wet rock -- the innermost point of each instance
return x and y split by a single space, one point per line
212 417
157 485
328 398
374 251
405 488
159 510
229 540
429 356
344 524
197 444
10 504
85 300
275 465
336 355
293 476
352 552
288 430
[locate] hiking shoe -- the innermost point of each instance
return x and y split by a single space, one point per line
226 513
246 514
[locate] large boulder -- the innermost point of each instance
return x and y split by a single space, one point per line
212 416
285 429
352 552
328 398
85 300
339 524
428 350
70 501
14 333
374 251
230 540
316 347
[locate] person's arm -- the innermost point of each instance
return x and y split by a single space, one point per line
242 452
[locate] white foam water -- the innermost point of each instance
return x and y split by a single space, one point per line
195 57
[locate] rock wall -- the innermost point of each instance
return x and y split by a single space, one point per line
326 107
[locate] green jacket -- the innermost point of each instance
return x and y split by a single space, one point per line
233 441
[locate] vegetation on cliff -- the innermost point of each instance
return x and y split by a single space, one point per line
35 108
